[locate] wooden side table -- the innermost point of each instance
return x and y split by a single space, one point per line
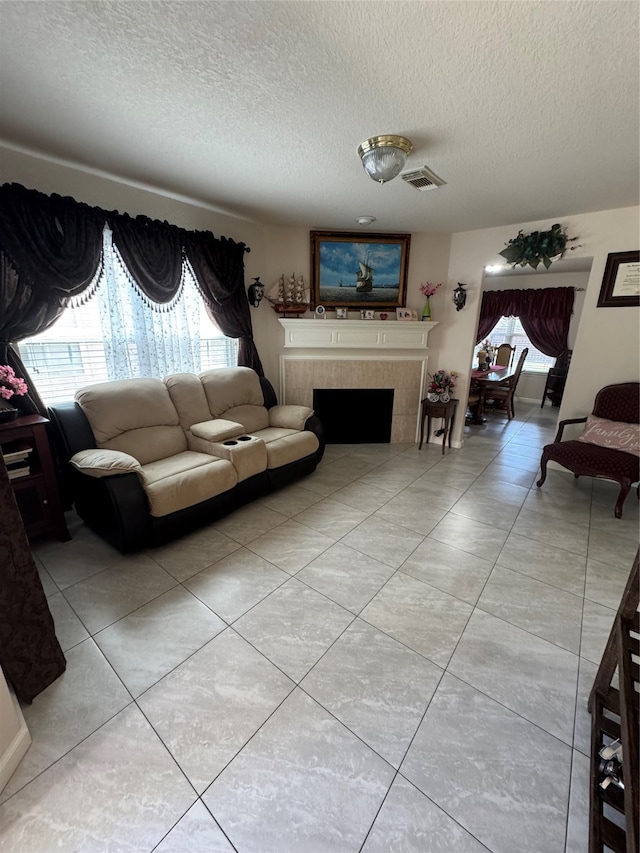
37 492
447 411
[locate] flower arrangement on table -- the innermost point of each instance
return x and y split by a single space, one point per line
10 384
427 289
442 385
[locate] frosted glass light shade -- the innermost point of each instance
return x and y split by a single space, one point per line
383 157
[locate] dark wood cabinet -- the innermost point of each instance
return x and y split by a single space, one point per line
37 492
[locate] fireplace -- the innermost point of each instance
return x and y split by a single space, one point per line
301 376
355 415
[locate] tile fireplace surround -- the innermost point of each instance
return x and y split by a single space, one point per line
359 354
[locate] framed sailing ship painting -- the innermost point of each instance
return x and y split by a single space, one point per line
355 270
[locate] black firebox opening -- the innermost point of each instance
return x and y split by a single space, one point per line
355 415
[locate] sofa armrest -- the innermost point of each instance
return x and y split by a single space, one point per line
217 429
289 417
105 463
563 424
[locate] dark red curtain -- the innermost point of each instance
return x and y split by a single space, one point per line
545 314
218 264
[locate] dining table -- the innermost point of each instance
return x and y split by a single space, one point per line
481 380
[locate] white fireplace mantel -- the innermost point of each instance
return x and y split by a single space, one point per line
356 334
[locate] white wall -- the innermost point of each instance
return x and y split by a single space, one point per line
607 343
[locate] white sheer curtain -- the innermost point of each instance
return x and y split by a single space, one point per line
139 341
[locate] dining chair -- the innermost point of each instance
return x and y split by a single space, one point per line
557 379
500 397
504 355
473 401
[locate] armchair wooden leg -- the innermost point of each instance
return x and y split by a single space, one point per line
543 470
625 487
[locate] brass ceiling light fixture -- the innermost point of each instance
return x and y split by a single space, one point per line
383 157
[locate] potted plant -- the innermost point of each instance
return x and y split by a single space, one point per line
546 246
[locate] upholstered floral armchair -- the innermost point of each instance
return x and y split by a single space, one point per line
609 446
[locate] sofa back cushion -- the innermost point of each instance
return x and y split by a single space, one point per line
187 394
135 416
235 394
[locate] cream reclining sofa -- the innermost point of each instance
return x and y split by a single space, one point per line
150 459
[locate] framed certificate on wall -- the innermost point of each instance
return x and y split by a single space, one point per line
621 281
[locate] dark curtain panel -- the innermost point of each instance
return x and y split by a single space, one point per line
152 254
485 326
30 653
218 265
547 322
545 315
50 250
25 310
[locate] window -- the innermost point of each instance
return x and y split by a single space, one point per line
509 331
116 335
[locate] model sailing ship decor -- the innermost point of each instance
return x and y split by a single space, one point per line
289 296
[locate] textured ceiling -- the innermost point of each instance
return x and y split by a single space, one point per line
527 110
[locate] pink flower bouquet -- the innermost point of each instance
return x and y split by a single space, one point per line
11 384
427 289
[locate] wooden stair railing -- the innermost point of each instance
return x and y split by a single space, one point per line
614 783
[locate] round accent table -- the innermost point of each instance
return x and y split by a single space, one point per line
447 411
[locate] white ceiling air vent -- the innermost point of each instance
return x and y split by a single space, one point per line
423 179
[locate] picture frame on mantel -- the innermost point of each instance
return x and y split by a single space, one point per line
354 270
621 281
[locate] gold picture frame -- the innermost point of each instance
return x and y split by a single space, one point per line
354 270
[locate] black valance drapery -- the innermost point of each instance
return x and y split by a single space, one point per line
51 252
545 314
55 242
218 266
152 255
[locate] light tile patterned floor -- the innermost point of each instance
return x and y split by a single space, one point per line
391 655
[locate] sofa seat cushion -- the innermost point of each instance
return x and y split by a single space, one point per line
185 479
287 445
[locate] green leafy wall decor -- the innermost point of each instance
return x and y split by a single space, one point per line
530 249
